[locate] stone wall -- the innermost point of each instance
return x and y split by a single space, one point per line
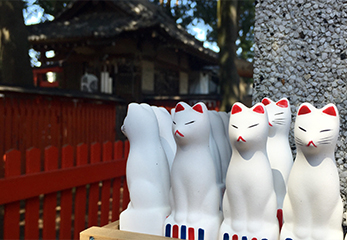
301 54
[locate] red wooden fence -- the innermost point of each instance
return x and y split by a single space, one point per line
38 120
51 185
50 201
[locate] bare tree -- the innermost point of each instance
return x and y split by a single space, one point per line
227 35
14 59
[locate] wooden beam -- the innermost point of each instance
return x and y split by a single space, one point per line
111 232
26 186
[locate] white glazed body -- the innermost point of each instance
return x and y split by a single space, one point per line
219 135
312 208
165 132
249 203
147 173
195 191
278 147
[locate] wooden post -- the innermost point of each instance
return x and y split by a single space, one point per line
32 205
11 215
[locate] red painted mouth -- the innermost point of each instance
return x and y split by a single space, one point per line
180 134
241 139
270 124
311 142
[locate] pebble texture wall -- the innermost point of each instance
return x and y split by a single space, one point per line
301 54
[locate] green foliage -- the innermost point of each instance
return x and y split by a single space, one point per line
52 7
46 9
246 12
194 11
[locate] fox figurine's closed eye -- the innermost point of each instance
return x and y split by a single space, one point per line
313 208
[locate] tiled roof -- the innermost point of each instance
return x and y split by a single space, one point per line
122 16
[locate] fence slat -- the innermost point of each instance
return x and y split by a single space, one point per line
50 200
8 123
80 197
11 211
30 124
116 198
105 202
126 198
116 194
45 141
118 150
32 205
2 139
126 149
15 135
106 186
66 196
21 125
95 157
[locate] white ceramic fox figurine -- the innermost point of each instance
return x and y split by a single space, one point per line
147 173
278 147
217 159
165 132
249 203
218 131
195 193
312 208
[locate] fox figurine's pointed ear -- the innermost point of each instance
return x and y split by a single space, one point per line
330 110
304 109
179 108
236 109
259 109
283 103
266 101
197 107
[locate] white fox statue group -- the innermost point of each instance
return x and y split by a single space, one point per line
199 174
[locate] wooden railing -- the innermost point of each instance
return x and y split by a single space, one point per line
41 120
50 201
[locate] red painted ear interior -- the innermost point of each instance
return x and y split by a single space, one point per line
282 103
304 110
236 109
330 111
179 107
259 109
266 101
198 108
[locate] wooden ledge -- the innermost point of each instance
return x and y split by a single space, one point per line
112 232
